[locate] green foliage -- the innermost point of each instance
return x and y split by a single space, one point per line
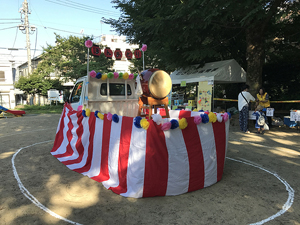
69 58
182 33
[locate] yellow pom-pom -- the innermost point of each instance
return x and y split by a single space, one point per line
144 124
125 76
195 110
100 116
104 76
212 117
182 123
88 112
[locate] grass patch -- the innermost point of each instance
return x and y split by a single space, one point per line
43 109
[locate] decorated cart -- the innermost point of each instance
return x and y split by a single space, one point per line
142 155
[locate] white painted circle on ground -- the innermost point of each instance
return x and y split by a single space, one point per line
27 194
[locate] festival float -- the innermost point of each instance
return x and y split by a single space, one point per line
104 134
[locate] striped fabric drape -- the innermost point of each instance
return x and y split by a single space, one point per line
134 162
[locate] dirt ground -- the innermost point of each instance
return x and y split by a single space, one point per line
260 183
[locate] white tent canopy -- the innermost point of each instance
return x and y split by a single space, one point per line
227 71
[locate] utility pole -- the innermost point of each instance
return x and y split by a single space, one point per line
25 26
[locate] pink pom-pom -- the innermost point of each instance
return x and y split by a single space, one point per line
225 117
166 126
197 120
79 108
144 48
131 76
88 43
109 116
116 75
93 74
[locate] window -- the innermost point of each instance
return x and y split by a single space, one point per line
2 76
115 89
76 93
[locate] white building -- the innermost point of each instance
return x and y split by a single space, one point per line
8 64
114 42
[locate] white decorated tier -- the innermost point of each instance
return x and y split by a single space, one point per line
137 157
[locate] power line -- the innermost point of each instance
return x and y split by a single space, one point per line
11 19
35 42
8 28
9 22
75 7
15 38
89 7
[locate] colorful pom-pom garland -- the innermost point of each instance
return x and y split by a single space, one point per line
182 123
110 75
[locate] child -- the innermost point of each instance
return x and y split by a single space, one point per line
260 119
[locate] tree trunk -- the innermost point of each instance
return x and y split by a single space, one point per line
255 58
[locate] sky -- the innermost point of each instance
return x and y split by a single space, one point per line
64 17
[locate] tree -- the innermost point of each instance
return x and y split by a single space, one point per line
186 32
37 84
69 58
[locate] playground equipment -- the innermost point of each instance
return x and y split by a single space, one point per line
17 113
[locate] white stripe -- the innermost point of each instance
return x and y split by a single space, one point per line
206 135
74 139
227 124
113 154
136 163
62 148
97 150
85 142
174 113
178 171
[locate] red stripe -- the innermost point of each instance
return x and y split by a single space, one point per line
59 137
79 147
156 162
184 114
125 139
195 155
220 141
104 174
69 150
87 166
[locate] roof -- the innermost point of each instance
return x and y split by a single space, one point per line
227 71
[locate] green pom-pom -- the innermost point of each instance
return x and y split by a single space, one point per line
120 75
110 75
135 75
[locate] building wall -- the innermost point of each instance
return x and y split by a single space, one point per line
114 42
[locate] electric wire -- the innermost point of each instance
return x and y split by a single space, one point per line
9 22
10 19
89 7
75 7
8 28
15 39
36 34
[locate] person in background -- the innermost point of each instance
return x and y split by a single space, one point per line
244 99
260 119
262 98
